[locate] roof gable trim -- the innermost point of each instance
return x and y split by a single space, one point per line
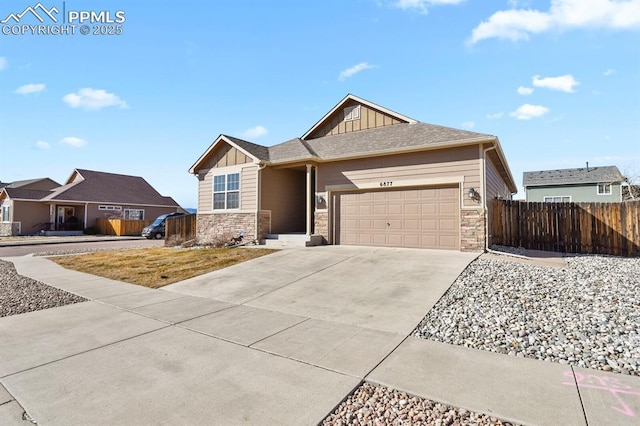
220 139
351 97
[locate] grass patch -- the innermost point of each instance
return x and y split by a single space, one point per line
159 266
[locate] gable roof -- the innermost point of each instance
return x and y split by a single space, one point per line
25 194
354 98
27 182
101 187
255 151
407 136
602 174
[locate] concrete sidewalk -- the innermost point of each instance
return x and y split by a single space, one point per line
133 355
37 240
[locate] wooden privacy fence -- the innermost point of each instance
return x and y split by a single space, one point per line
121 227
597 228
179 229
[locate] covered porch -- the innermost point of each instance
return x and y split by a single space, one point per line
288 194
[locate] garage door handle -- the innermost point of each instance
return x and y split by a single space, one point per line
388 224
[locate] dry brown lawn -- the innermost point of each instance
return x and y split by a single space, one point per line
157 267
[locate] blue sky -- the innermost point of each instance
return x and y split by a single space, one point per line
557 81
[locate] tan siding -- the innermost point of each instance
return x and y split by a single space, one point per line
444 163
248 187
369 119
496 186
284 193
205 191
30 214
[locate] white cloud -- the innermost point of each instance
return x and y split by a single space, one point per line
609 72
422 6
255 132
564 83
528 111
93 99
495 116
525 91
73 141
354 70
3 63
42 145
469 124
519 24
30 88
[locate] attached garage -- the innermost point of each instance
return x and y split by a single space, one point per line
426 217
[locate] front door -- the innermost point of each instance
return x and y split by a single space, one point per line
66 219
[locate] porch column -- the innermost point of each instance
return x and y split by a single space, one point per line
309 210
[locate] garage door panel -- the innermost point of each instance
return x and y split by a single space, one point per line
429 208
425 217
396 209
448 242
380 209
448 207
447 225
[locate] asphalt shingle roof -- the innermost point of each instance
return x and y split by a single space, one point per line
258 151
26 194
110 188
602 174
372 141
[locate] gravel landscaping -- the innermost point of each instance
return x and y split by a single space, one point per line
585 314
378 405
20 294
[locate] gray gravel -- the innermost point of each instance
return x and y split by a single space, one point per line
378 405
586 314
20 294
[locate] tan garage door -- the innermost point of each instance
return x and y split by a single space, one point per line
421 217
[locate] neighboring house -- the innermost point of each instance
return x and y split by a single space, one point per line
362 175
582 185
44 205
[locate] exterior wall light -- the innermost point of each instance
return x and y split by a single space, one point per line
474 195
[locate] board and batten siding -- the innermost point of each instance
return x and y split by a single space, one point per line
248 186
441 166
369 119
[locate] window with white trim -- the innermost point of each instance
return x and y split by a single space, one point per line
226 191
134 214
352 113
110 208
557 199
604 189
6 213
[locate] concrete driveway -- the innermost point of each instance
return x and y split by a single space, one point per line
377 288
278 340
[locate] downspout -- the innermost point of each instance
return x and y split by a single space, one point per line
484 195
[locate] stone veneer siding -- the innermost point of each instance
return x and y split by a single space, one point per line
472 230
321 225
264 224
9 229
221 227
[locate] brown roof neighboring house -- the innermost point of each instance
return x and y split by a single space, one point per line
101 187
